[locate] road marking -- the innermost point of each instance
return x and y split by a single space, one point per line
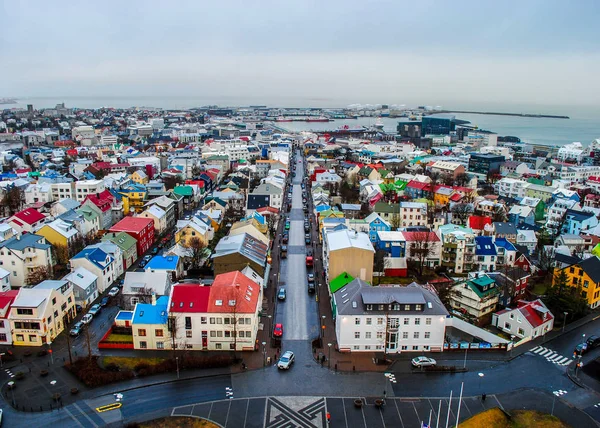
73 417
85 414
345 416
398 410
227 417
109 407
537 349
246 415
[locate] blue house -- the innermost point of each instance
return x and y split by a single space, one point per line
151 319
376 224
577 221
171 264
485 252
392 242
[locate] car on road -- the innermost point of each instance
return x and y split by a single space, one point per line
286 237
95 309
311 277
155 250
142 263
287 225
423 362
311 287
104 301
87 318
114 291
281 294
581 349
286 360
307 239
284 251
278 330
148 258
76 329
593 341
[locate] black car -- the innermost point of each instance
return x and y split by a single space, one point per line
311 287
593 342
104 301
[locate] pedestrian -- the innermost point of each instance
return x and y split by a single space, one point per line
483 397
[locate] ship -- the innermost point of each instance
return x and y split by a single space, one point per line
284 119
8 101
317 119
351 129
378 124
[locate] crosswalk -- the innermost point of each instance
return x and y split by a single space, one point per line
552 356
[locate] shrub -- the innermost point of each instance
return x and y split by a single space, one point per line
88 372
112 368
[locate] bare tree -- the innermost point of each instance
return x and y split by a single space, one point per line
421 247
461 212
13 199
380 263
395 221
37 275
196 246
461 179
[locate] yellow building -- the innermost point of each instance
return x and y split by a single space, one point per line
350 252
194 229
133 200
328 214
139 177
58 233
585 274
441 197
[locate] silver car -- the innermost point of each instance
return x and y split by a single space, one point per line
286 360
423 362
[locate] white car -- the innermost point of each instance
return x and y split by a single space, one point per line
286 360
423 362
87 318
113 291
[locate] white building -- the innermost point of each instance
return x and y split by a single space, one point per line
395 318
573 151
21 255
88 187
85 286
527 321
63 191
511 188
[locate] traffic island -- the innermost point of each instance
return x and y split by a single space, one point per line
440 369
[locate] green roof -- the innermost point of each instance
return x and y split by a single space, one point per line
483 286
534 180
340 281
184 190
384 172
383 207
401 184
122 240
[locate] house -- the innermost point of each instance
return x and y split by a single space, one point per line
158 216
413 214
528 239
348 251
187 193
27 220
99 263
223 316
423 247
126 243
238 251
85 286
39 314
476 296
248 226
138 287
527 321
173 265
6 300
512 282
265 195
486 254
451 169
25 255
169 206
505 230
60 233
150 324
390 319
115 252
374 223
584 274
141 229
521 214
4 280
194 228
479 224
458 248
577 222
139 177
108 207
538 206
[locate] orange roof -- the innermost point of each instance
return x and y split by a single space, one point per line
233 292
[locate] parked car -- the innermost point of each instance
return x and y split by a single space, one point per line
286 360
285 238
593 342
76 329
154 250
423 362
307 239
104 301
148 258
114 291
78 308
142 263
311 277
281 294
284 251
95 309
311 287
87 318
287 225
581 349
278 330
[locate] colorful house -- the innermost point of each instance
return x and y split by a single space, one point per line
585 274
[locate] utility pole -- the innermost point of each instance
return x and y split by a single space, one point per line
68 339
87 339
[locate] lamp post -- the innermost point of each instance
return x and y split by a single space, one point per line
465 362
329 358
481 375
512 344
270 324
323 326
50 352
564 321
177 362
558 393
264 344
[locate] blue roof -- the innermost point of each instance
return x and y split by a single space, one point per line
94 255
485 246
320 208
163 263
124 316
507 245
147 313
25 241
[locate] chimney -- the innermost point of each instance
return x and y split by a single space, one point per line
153 298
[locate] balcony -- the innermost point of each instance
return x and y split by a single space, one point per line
450 245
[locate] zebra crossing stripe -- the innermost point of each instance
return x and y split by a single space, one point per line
554 358
546 352
537 349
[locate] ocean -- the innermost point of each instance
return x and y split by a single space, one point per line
583 125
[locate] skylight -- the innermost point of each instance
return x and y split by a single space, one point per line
218 303
232 303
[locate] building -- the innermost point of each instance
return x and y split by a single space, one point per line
141 229
59 233
458 248
39 314
452 169
348 251
173 265
6 300
126 243
84 188
483 163
159 216
85 286
139 287
99 263
527 321
26 221
390 319
438 124
149 324
24 255
238 251
476 296
169 206
584 274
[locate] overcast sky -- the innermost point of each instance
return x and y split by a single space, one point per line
435 52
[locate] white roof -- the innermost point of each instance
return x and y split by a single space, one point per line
81 277
157 280
156 211
345 238
4 273
525 235
31 297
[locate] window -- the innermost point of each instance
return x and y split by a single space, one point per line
227 333
427 321
143 345
188 323
63 307
202 320
188 333
213 333
212 320
226 320
380 307
404 347
356 321
2 337
356 347
232 346
219 320
507 326
141 332
158 332
24 311
415 348
427 334
416 335
160 345
406 321
218 346
426 348
417 321
379 321
367 335
572 270
521 332
219 333
380 335
357 334
69 299
369 307
418 307
395 307
33 338
367 347
369 321
407 307
405 335
20 338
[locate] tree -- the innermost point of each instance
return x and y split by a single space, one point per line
461 212
561 297
37 275
395 221
461 179
13 200
60 254
271 222
196 246
445 291
435 179
196 171
499 214
421 247
172 181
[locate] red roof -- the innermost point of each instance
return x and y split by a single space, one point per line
198 183
417 185
233 288
29 216
189 298
6 299
104 200
132 224
456 197
534 312
22 170
419 236
478 222
270 210
463 189
108 165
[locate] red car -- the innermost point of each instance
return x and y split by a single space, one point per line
278 330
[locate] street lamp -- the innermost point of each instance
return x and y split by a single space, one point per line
270 324
177 362
323 326
558 393
264 344
329 359
481 375
564 321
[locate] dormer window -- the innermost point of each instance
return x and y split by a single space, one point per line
407 307
369 307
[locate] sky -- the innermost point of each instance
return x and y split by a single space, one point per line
533 52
